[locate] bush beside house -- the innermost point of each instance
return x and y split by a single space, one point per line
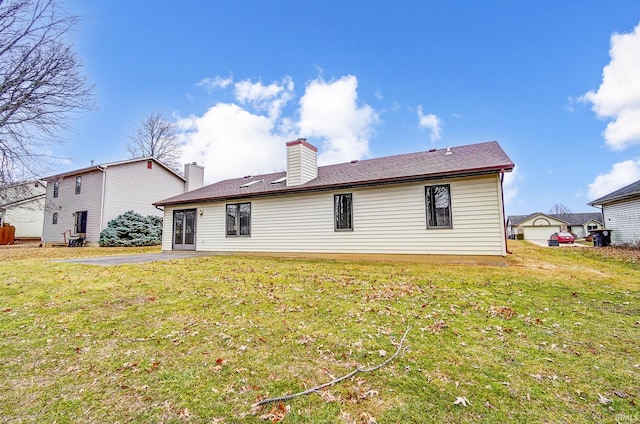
132 229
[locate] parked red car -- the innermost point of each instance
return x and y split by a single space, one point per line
563 237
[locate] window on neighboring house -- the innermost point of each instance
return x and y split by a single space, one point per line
239 219
55 218
438 201
56 188
78 184
592 226
343 212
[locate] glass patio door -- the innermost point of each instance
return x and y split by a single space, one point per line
184 229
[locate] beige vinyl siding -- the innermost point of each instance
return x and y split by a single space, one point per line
68 202
623 219
302 164
540 227
133 186
540 233
386 219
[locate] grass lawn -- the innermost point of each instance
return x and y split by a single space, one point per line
553 337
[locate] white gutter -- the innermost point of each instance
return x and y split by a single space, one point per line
104 185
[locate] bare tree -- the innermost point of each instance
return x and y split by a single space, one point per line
559 208
40 84
156 137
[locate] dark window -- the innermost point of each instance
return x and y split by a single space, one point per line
78 184
438 200
239 219
55 218
81 222
343 212
56 188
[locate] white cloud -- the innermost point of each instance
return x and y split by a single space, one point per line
618 96
620 175
248 137
271 98
330 111
217 82
230 142
431 122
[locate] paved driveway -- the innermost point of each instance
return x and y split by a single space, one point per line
138 258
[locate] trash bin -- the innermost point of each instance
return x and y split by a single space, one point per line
601 238
597 239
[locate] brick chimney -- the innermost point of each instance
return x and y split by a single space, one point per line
194 174
302 162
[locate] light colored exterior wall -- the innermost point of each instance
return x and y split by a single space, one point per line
126 186
581 231
132 186
539 227
386 219
302 164
194 175
68 202
27 217
623 219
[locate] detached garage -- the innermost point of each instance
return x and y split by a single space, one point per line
536 226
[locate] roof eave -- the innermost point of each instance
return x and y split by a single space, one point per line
605 201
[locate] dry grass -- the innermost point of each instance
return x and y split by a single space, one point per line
550 338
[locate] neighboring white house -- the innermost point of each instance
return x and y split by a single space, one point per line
621 212
539 226
22 206
439 202
85 200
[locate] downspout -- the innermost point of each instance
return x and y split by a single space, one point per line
504 217
104 185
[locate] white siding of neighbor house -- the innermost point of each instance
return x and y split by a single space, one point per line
68 202
27 217
386 219
623 219
132 186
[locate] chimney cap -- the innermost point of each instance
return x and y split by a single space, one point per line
304 142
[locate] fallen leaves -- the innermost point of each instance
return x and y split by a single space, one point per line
604 400
463 401
277 413
503 312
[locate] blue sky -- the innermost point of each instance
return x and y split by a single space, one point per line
368 79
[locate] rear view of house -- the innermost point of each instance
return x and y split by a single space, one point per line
438 202
85 200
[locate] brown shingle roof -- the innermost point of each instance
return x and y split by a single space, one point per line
473 159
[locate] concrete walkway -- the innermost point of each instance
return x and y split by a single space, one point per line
138 258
